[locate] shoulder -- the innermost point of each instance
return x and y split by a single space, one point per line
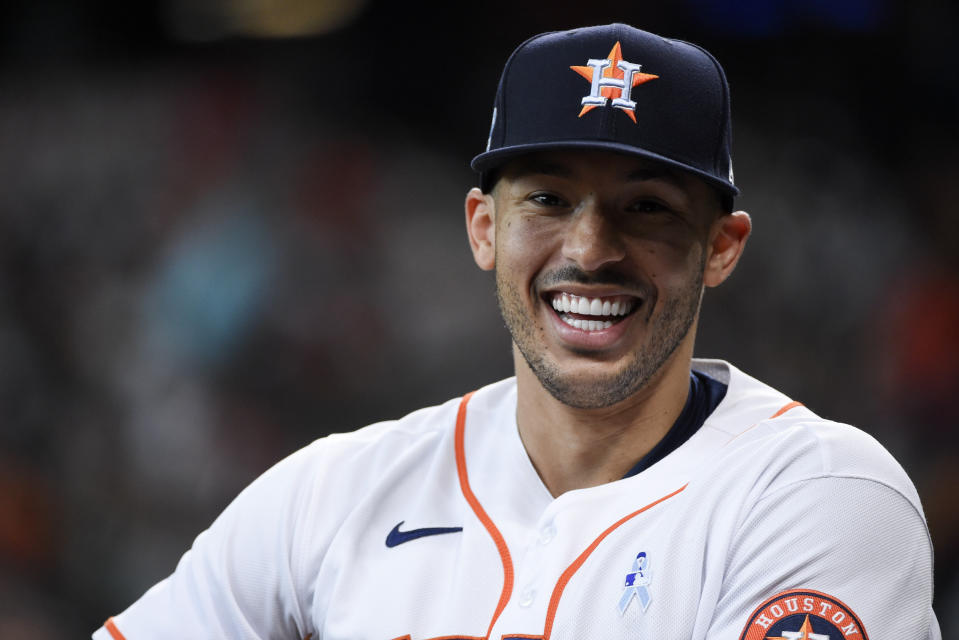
309 494
784 442
802 506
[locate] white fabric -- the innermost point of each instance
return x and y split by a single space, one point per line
769 505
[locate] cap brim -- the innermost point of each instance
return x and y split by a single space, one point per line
485 162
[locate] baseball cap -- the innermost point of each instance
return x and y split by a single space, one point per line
615 88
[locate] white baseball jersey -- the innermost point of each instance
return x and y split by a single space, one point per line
769 522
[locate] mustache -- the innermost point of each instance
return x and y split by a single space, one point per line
571 274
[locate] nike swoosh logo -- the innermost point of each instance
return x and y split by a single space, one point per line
395 536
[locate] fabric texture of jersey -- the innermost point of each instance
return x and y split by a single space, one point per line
765 498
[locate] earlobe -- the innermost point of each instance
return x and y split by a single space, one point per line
727 240
481 228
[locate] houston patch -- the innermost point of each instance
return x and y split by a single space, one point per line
803 615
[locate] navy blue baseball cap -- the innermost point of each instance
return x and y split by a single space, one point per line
614 88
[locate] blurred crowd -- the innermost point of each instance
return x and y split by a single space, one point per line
213 253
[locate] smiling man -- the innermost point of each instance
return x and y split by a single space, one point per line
601 259
616 487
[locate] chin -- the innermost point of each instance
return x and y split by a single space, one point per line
590 389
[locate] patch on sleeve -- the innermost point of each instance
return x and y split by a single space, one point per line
803 615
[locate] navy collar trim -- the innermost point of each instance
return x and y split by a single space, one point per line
705 394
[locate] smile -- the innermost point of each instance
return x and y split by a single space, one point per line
592 314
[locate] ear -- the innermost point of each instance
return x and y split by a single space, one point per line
481 227
727 239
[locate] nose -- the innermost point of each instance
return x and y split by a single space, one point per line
592 239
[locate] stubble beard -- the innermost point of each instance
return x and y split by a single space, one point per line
665 333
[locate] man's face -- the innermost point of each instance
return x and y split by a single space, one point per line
599 268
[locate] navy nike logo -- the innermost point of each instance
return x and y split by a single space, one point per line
395 536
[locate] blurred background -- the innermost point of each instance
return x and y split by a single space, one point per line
229 227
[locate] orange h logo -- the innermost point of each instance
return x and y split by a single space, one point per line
609 75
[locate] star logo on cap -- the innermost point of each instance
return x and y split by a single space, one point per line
609 76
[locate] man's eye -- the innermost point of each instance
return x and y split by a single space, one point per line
548 200
648 206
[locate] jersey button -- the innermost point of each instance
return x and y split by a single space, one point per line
547 533
526 598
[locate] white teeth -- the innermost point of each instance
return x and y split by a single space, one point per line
565 303
587 325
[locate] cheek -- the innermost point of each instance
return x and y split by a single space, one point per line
671 266
673 236
524 245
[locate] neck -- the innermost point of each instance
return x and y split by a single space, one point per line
577 448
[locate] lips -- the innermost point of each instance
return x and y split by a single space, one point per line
592 313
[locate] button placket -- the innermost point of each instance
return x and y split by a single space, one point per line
530 570
526 597
546 534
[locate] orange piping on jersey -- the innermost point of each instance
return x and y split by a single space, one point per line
785 408
578 562
111 626
481 513
408 637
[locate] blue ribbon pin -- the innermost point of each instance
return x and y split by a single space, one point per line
637 584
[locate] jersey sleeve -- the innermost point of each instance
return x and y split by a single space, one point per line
239 579
829 554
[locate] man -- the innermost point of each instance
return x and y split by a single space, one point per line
616 487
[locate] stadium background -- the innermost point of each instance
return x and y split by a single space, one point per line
230 227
